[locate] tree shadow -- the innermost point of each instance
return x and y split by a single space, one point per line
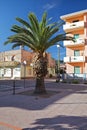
61 122
38 103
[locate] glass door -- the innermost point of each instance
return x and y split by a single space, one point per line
76 53
76 70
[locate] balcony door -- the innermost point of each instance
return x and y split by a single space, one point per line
76 53
76 70
76 36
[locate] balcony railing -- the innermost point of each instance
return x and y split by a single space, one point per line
74 25
77 58
76 76
74 59
67 59
79 41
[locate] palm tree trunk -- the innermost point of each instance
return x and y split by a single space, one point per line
40 70
40 86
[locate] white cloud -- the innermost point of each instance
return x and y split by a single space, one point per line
49 6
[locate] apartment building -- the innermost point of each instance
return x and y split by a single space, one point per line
19 64
76 52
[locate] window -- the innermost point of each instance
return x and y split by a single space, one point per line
12 58
77 70
76 36
76 53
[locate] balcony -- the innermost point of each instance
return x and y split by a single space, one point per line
77 59
9 64
75 25
67 59
79 41
74 59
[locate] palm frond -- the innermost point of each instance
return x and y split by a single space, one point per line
36 35
43 22
23 22
34 22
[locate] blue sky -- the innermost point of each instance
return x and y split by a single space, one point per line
10 9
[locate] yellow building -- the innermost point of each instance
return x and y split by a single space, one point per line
19 64
16 64
76 52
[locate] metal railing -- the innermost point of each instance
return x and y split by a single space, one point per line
14 86
75 76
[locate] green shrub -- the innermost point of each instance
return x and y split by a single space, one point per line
64 81
75 81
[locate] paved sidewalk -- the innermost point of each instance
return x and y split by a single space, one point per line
66 109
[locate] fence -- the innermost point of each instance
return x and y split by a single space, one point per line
71 76
13 86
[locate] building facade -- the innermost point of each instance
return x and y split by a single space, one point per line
76 52
19 64
51 65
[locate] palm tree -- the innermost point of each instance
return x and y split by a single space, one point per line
39 36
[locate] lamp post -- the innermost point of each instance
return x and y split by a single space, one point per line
24 63
83 67
3 67
58 46
31 65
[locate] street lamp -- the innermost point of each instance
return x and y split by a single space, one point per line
58 46
3 67
24 63
58 68
83 66
31 65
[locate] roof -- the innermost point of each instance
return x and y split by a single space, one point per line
73 14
